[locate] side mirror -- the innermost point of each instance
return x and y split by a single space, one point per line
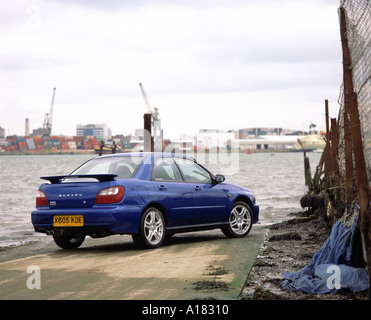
219 178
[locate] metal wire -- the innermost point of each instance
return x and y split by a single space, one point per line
358 18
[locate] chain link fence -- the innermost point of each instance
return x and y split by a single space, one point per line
358 19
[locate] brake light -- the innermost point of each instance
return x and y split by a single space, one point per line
41 199
110 195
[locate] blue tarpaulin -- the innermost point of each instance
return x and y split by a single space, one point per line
335 266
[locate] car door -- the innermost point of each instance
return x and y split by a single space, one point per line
209 199
174 194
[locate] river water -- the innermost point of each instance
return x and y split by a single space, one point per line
277 180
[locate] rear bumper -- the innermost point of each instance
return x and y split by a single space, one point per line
109 219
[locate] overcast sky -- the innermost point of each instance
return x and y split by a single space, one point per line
223 64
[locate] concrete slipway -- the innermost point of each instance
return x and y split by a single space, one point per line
188 266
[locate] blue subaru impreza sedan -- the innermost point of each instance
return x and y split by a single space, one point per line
147 195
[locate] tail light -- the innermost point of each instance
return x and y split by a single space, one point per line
41 199
110 195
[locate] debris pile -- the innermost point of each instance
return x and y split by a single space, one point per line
284 251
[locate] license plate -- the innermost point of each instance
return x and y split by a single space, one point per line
68 221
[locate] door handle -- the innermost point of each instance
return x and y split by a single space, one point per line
197 188
162 187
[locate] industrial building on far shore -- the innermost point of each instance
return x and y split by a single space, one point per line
89 137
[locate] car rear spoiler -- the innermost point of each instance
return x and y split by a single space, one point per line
99 177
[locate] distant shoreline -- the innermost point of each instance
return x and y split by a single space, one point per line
47 152
92 151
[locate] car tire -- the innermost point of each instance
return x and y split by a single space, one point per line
239 222
69 242
151 230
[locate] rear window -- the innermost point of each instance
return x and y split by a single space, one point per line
124 167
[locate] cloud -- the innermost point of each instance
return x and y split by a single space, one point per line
212 63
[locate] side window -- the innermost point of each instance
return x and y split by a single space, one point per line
123 170
165 169
193 172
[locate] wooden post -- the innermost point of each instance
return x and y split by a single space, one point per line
317 176
327 150
328 138
335 154
308 174
334 146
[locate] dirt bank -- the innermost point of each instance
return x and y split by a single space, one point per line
289 246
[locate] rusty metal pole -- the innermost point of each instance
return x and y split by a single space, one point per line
147 132
348 146
362 182
348 151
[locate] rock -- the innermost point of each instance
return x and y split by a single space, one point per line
312 201
268 250
299 220
292 235
262 263
262 294
211 285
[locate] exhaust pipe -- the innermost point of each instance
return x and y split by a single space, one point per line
49 232
54 232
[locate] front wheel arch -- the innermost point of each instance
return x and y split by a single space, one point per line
243 199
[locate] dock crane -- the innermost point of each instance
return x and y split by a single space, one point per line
47 125
155 121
